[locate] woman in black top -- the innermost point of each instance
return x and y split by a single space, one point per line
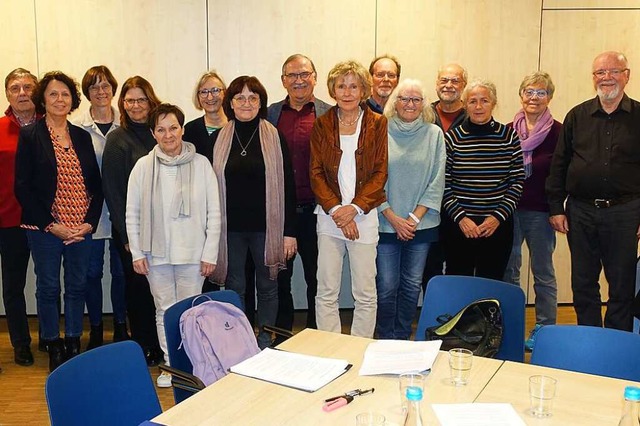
125 146
257 192
207 96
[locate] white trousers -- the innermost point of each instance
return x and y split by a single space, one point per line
170 284
362 261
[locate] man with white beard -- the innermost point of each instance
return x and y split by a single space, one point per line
596 169
385 72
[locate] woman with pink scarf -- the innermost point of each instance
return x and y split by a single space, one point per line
538 133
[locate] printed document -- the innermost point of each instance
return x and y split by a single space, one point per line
304 372
399 356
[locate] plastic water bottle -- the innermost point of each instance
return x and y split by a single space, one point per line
630 416
414 416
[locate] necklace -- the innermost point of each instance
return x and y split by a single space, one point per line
244 148
353 122
57 138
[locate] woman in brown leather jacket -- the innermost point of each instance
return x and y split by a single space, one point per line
348 174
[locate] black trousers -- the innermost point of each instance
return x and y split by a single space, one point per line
14 257
307 237
140 307
480 257
598 238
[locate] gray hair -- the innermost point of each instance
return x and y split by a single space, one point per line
298 56
491 88
428 115
538 77
19 73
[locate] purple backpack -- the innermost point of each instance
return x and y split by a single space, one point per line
216 336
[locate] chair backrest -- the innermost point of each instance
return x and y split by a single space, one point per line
447 294
593 350
177 356
105 386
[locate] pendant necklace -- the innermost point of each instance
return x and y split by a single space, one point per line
353 122
244 148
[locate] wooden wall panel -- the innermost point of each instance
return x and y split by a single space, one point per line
161 40
18 35
571 39
496 40
255 37
591 4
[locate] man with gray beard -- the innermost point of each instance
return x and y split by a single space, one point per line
596 169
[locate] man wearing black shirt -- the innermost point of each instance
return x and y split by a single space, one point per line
597 166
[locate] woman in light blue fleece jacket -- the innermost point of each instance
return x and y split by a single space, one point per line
410 216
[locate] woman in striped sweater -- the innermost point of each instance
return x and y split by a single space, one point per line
483 183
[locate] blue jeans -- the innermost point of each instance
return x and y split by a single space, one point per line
400 265
534 228
48 252
93 296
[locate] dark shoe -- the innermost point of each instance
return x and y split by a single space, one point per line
42 345
120 332
151 356
56 353
23 356
72 345
95 337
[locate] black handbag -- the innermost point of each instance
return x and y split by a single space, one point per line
477 327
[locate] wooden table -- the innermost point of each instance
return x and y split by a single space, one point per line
238 400
581 399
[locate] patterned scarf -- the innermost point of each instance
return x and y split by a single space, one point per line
530 141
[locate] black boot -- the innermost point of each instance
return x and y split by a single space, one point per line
56 353
95 336
120 332
72 345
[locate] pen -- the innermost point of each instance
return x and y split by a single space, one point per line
342 400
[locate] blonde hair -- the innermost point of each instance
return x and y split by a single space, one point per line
427 114
342 69
203 78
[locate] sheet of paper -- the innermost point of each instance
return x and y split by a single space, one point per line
477 414
304 372
399 356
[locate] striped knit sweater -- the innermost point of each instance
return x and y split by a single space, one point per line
484 172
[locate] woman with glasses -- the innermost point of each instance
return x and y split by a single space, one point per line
348 172
257 199
98 86
207 96
173 218
483 183
125 146
538 133
59 189
410 217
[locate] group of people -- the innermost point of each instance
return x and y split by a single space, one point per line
406 188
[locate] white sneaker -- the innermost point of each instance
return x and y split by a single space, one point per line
164 380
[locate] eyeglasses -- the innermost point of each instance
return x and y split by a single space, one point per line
105 87
445 80
293 76
139 101
404 100
530 93
15 89
241 100
388 74
214 91
615 73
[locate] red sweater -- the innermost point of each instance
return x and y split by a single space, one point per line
9 207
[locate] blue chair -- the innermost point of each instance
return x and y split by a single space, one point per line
447 294
593 350
178 358
109 385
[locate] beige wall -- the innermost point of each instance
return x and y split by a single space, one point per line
171 42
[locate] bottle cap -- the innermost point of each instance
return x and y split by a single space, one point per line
414 393
631 393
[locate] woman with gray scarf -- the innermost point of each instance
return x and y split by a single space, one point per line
173 217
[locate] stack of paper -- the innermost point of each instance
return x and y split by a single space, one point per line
399 356
304 372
